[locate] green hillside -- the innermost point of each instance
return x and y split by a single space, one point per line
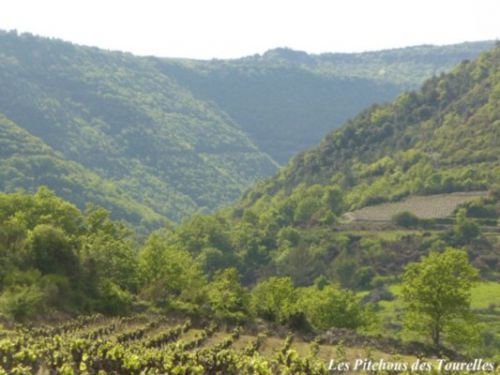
440 139
118 116
436 148
288 100
281 259
160 139
26 161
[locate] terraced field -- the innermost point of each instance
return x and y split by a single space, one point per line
425 207
155 344
152 344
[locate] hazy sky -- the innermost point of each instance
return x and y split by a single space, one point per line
234 28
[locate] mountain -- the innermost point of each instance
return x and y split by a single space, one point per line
440 142
137 129
26 161
440 139
155 140
288 100
283 258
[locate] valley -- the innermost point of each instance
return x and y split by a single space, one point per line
153 220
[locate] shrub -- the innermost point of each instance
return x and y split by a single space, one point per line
406 219
113 299
21 302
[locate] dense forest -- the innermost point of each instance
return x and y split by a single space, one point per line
145 138
288 100
440 139
155 140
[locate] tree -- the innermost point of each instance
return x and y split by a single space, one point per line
50 250
228 299
274 299
334 199
465 229
170 276
331 307
305 209
108 251
437 292
21 301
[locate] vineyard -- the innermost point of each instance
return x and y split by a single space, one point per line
148 345
425 207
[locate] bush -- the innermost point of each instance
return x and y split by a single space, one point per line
406 219
274 299
331 307
227 298
21 302
480 209
113 299
465 229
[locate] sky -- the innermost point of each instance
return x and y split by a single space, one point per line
206 29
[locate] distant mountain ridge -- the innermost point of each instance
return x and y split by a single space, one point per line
442 138
288 100
156 140
135 127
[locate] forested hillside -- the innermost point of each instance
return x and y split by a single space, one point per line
119 117
282 258
156 140
440 139
26 161
443 138
288 100
289 232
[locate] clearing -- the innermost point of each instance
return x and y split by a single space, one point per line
425 207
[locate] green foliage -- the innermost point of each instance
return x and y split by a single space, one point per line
170 276
406 219
55 257
288 100
113 299
274 299
155 151
331 307
113 129
87 345
465 229
437 293
440 139
50 251
294 224
305 210
108 250
28 162
21 302
201 232
155 140
227 298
